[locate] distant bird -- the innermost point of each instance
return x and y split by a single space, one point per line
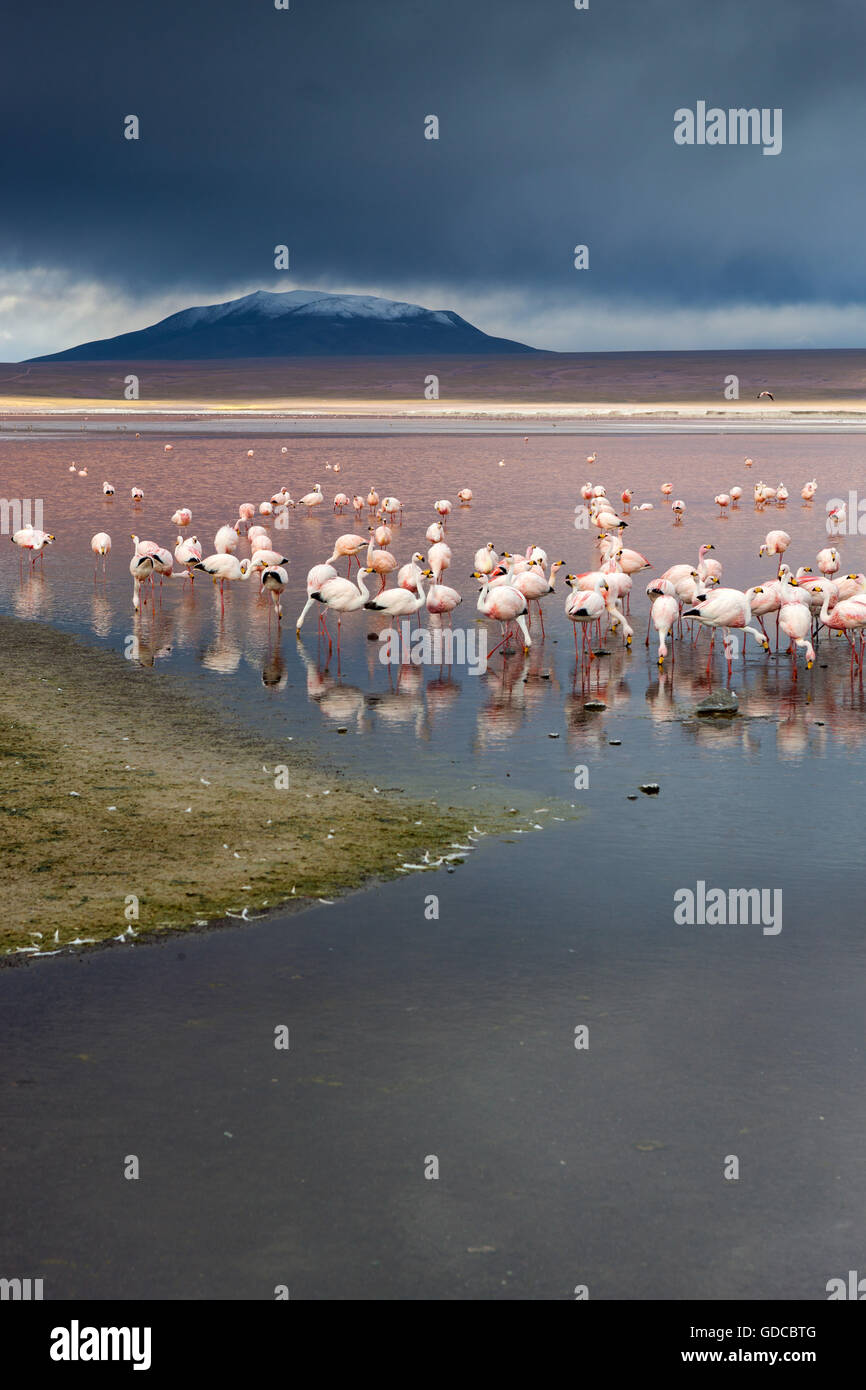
722 501
443 507
250 453
667 489
137 494
182 517
108 489
768 394
169 448
341 501
465 495
679 508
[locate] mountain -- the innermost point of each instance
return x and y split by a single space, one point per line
295 323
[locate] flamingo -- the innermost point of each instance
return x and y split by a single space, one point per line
663 615
246 512
727 609
383 536
435 532
464 496
182 517
795 620
392 506
736 494
809 489
441 599
341 501
343 596
224 569
775 543
372 499
848 616
225 542
485 559
312 499
141 569
188 554
108 489
136 494
32 539
316 578
275 580
534 585
382 562
505 605
399 603
443 507
585 605
407 575
100 545
345 547
723 501
829 560
678 507
439 558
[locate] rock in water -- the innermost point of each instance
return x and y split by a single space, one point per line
719 702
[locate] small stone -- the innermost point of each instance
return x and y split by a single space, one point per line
649 788
719 702
595 704
553 735
615 742
342 731
632 796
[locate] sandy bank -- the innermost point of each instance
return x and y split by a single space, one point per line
114 783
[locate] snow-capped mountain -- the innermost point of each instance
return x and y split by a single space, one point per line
295 323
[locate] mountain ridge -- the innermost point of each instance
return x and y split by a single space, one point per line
290 323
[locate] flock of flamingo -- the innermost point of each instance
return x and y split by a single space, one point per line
510 585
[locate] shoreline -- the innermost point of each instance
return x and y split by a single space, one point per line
382 409
119 796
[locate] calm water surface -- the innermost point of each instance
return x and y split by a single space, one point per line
456 1038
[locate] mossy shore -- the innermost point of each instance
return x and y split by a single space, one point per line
114 783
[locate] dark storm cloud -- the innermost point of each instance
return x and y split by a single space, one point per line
261 126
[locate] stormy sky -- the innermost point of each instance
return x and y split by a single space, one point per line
261 126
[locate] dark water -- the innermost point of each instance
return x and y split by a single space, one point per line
455 1037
